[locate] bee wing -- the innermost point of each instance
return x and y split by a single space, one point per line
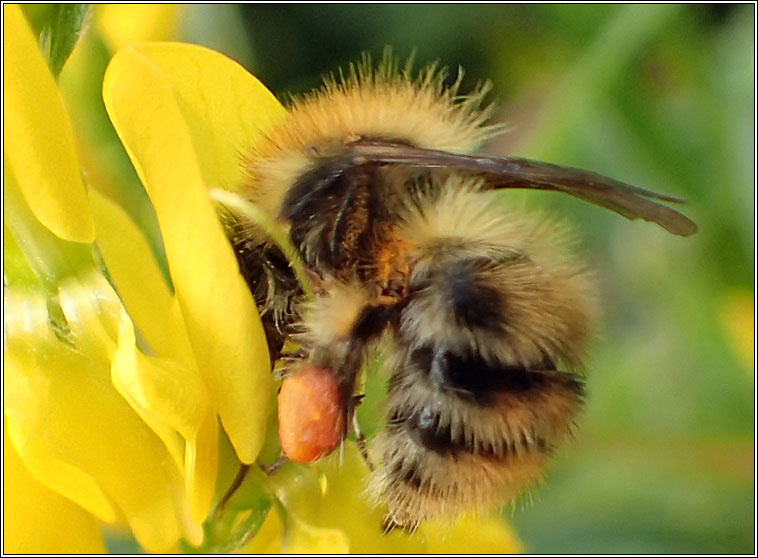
515 172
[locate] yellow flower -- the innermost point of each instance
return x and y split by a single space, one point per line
325 511
116 379
118 421
178 111
123 24
39 520
738 321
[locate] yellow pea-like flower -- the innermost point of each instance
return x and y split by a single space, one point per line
121 388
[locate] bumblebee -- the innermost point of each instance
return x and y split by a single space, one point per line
484 313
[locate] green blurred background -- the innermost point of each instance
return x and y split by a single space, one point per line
660 96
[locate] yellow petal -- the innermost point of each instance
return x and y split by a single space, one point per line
226 109
39 141
738 319
219 312
147 387
155 312
172 401
92 327
27 338
268 539
471 535
140 284
201 461
63 409
37 520
171 398
303 538
123 24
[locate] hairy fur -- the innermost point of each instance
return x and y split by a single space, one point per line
386 102
525 259
486 311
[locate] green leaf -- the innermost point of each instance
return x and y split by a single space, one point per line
59 36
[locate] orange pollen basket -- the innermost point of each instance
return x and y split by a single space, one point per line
311 415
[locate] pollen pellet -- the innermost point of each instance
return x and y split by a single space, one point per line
311 414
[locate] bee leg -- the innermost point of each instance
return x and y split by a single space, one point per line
297 355
274 467
240 478
236 483
360 440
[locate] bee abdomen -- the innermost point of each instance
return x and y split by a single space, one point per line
428 429
452 403
417 484
465 433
